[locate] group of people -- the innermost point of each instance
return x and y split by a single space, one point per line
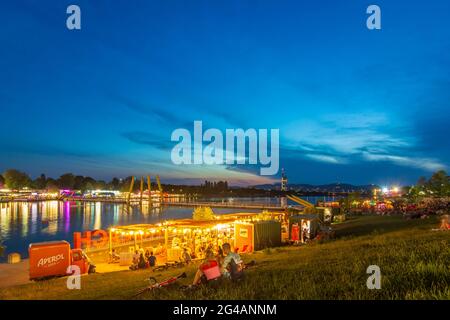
426 208
143 260
300 234
218 262
410 210
223 263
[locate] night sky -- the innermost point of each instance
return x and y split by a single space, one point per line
352 105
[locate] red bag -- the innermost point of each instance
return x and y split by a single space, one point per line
211 269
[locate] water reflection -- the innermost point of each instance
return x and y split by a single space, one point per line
24 223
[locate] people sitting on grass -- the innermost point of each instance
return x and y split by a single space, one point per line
151 260
136 257
141 262
232 266
219 255
135 261
186 257
113 256
208 270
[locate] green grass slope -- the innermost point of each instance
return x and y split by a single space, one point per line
414 263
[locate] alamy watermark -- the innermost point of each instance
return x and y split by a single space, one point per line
374 280
73 21
74 280
229 148
374 20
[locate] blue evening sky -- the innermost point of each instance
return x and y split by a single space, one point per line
352 105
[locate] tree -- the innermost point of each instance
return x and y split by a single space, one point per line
422 182
79 183
88 183
414 193
40 182
346 203
52 185
101 185
126 185
67 181
439 184
15 179
115 183
2 181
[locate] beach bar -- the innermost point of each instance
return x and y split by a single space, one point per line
169 239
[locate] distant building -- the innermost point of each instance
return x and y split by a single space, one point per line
284 181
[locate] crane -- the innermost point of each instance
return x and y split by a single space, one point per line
141 190
131 189
160 188
149 186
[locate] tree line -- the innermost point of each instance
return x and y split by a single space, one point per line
438 185
16 180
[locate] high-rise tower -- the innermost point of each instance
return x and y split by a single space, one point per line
284 181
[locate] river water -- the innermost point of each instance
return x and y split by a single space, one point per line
22 223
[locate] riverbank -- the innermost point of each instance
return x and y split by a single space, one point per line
413 260
14 274
17 274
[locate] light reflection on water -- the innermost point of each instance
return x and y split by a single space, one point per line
24 223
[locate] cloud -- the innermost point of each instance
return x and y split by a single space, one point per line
350 138
325 158
356 121
45 149
156 112
145 138
421 163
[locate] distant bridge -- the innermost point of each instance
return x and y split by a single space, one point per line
230 205
234 205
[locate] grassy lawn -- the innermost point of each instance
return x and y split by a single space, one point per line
414 262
